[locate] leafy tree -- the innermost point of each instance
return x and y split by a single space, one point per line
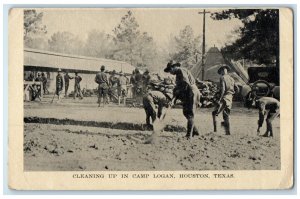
125 37
259 37
132 46
99 44
186 48
65 42
33 27
37 43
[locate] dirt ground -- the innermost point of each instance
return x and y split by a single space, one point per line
59 146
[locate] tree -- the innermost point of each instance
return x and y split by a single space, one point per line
65 42
259 37
132 46
125 37
37 43
186 48
33 27
99 44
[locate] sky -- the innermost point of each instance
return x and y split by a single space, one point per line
159 23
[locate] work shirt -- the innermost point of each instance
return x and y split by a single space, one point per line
101 79
138 79
158 98
123 80
268 103
227 86
113 80
59 82
184 77
38 79
67 78
77 80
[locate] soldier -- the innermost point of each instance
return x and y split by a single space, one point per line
77 89
44 80
187 91
31 77
269 108
38 87
113 82
224 104
146 80
155 98
59 84
138 89
132 82
67 81
38 78
103 85
122 82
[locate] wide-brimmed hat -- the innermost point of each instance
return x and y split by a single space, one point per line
222 67
59 70
102 67
170 65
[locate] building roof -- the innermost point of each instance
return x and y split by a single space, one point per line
51 60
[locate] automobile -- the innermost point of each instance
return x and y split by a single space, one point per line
263 82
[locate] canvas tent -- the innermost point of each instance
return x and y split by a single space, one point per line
214 59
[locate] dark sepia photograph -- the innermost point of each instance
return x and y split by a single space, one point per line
153 89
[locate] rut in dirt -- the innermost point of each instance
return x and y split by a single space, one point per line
111 125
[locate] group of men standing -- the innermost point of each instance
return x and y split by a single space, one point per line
60 80
114 86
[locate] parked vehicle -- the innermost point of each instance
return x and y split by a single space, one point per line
263 81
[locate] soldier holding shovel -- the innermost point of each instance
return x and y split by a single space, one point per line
187 91
224 104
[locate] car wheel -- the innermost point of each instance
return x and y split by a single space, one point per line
261 88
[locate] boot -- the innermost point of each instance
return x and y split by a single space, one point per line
227 129
266 134
195 132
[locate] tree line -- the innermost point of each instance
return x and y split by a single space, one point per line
258 40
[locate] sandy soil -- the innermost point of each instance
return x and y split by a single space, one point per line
52 147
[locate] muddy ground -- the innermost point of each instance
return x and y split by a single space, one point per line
108 139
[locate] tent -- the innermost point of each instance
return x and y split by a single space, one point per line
214 59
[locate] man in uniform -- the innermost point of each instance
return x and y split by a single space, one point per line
44 80
77 89
59 84
132 83
146 80
102 81
38 78
138 90
38 87
187 91
123 81
113 82
224 104
269 108
155 98
67 81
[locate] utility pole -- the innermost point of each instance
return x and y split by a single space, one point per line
203 44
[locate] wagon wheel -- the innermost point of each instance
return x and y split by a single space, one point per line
255 88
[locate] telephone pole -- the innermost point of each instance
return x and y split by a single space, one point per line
203 44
